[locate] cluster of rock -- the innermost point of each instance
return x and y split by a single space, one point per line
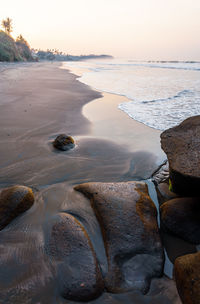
127 219
179 201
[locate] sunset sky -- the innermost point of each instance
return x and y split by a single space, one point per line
138 29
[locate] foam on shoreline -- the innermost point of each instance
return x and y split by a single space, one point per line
160 94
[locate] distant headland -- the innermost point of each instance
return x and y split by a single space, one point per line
60 56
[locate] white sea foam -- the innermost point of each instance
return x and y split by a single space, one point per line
161 94
164 113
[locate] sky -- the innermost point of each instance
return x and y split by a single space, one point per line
136 29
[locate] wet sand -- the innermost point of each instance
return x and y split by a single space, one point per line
110 123
38 102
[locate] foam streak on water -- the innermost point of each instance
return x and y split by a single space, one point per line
161 94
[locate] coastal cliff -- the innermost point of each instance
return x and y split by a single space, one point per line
11 50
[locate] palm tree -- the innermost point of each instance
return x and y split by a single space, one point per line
7 24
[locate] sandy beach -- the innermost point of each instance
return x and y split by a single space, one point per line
39 101
42 101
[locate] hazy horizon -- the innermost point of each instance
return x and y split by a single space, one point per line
141 30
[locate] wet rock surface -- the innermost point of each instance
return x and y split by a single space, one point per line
128 220
71 251
14 201
187 275
64 142
182 146
181 216
161 175
160 178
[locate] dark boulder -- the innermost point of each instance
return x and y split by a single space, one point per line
181 217
71 251
128 220
182 146
63 142
187 276
14 201
164 194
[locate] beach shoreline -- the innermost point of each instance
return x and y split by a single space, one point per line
40 101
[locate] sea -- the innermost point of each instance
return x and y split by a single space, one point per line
160 94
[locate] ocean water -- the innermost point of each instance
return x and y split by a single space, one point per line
161 93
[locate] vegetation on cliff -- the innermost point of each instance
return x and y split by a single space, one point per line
24 48
8 48
11 50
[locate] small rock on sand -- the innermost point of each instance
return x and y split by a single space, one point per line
63 142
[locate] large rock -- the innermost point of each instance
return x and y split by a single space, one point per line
14 201
128 220
187 276
182 146
71 250
63 142
181 216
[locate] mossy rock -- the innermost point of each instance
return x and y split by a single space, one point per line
14 201
64 142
